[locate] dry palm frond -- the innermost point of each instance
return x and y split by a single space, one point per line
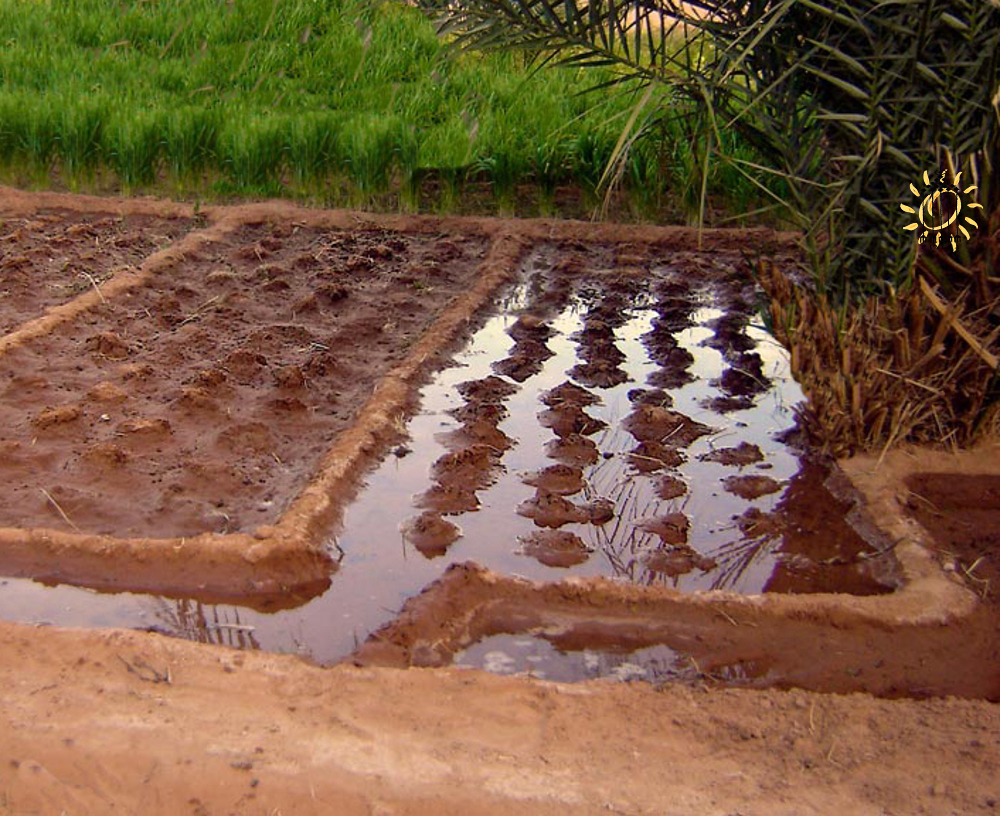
889 370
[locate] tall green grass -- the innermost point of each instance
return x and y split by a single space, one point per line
350 101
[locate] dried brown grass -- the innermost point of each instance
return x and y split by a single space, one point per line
918 367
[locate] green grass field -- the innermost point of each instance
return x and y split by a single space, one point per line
339 101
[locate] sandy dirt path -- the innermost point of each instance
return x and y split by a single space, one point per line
86 728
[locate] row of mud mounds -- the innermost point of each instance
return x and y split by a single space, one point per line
657 363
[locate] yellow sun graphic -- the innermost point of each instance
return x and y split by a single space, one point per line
934 215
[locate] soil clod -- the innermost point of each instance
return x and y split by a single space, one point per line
651 423
600 511
563 480
430 534
569 420
678 561
488 389
555 548
741 455
755 523
524 361
648 457
651 396
671 528
448 500
569 394
469 467
670 487
573 450
551 510
752 486
59 415
110 345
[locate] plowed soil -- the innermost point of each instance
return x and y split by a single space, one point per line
49 258
203 401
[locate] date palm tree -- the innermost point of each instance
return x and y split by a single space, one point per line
846 101
848 104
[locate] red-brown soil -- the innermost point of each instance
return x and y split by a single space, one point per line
552 510
54 255
572 450
651 456
961 511
650 423
563 480
678 561
430 533
731 642
555 548
205 400
751 486
671 528
86 729
670 487
743 454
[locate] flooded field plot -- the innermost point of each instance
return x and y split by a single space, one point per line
626 420
321 421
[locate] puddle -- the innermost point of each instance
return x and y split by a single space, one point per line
542 655
535 656
654 510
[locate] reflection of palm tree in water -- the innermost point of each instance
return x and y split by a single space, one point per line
734 558
808 526
193 620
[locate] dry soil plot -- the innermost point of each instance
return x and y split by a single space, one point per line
204 400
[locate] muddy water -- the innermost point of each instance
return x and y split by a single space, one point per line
537 657
755 544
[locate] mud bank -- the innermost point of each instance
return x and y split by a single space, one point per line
907 643
86 727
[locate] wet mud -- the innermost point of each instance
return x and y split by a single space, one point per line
555 548
663 444
430 533
52 256
471 617
609 419
563 480
741 455
205 400
751 486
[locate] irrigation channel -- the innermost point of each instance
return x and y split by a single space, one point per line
629 426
